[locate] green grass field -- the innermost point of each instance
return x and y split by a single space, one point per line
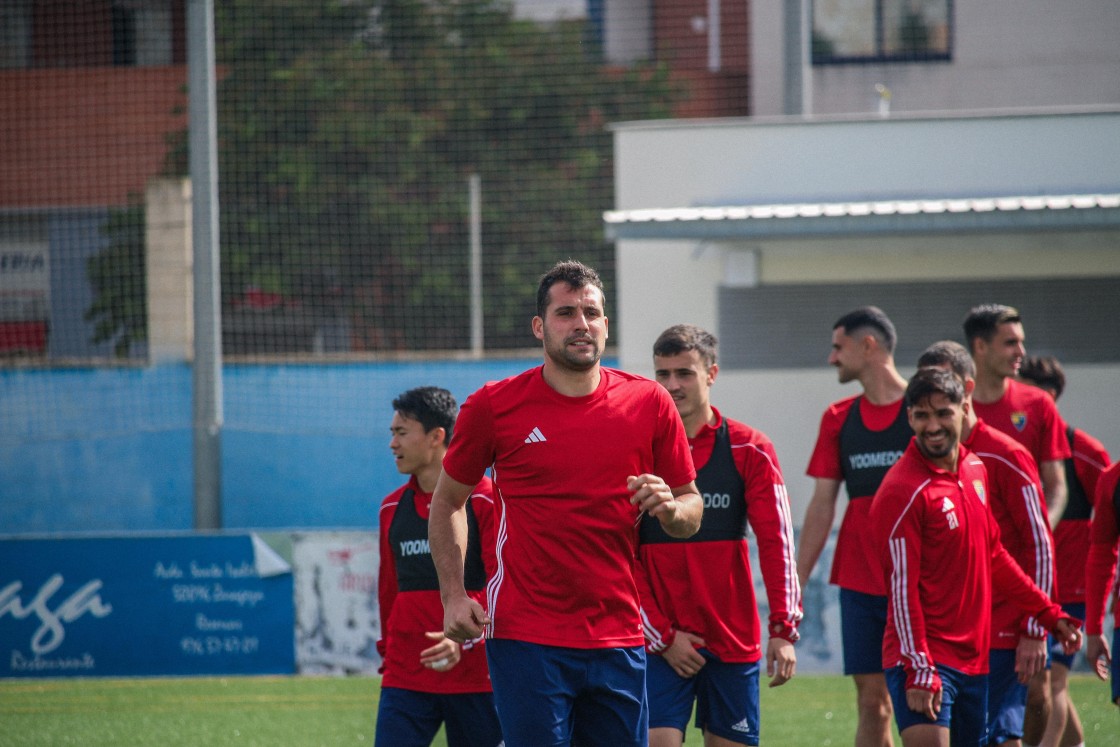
307 711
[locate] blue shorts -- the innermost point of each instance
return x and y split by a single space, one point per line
408 718
964 704
726 698
550 696
1007 698
863 622
1057 654
1115 667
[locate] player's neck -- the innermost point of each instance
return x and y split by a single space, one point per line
571 383
989 388
695 422
428 475
883 384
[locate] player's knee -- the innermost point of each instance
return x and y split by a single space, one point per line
1039 699
874 705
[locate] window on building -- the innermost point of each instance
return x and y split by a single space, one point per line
847 31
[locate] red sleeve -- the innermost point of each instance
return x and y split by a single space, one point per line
467 459
1017 585
1090 460
482 503
1055 445
901 531
1101 567
769 515
386 574
672 457
1034 544
825 460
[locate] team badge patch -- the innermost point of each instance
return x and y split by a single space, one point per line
1019 420
978 486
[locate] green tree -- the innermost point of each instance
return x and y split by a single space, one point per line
120 309
347 132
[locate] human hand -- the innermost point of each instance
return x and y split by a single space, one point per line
1068 633
444 655
682 655
652 495
1098 655
781 661
1030 658
463 619
924 702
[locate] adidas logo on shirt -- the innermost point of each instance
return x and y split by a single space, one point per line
535 437
947 506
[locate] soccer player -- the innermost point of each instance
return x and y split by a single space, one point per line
1099 574
428 679
941 556
1071 543
996 340
578 452
697 595
860 438
1018 643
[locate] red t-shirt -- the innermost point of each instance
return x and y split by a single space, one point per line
1104 535
680 591
1071 536
1015 498
567 537
855 561
941 557
1028 415
407 615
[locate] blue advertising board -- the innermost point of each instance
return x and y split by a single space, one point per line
146 605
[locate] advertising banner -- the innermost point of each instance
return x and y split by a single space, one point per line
337 620
170 605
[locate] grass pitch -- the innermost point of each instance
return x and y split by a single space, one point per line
310 711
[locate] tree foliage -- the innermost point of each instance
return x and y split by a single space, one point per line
347 134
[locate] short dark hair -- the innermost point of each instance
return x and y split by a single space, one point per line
871 318
681 338
951 354
575 274
983 321
1044 371
930 381
431 406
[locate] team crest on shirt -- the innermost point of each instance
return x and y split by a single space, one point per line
1019 420
978 486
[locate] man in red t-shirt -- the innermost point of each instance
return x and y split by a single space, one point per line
578 453
428 679
860 438
941 558
702 625
996 340
1071 543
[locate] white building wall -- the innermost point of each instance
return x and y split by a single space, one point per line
1006 53
738 162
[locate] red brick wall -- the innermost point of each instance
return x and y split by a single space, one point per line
85 136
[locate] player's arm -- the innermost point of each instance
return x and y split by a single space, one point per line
463 617
678 509
769 515
819 516
899 535
1053 474
386 584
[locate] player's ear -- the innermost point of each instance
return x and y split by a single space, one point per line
538 328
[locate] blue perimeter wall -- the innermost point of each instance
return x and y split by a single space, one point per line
303 446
